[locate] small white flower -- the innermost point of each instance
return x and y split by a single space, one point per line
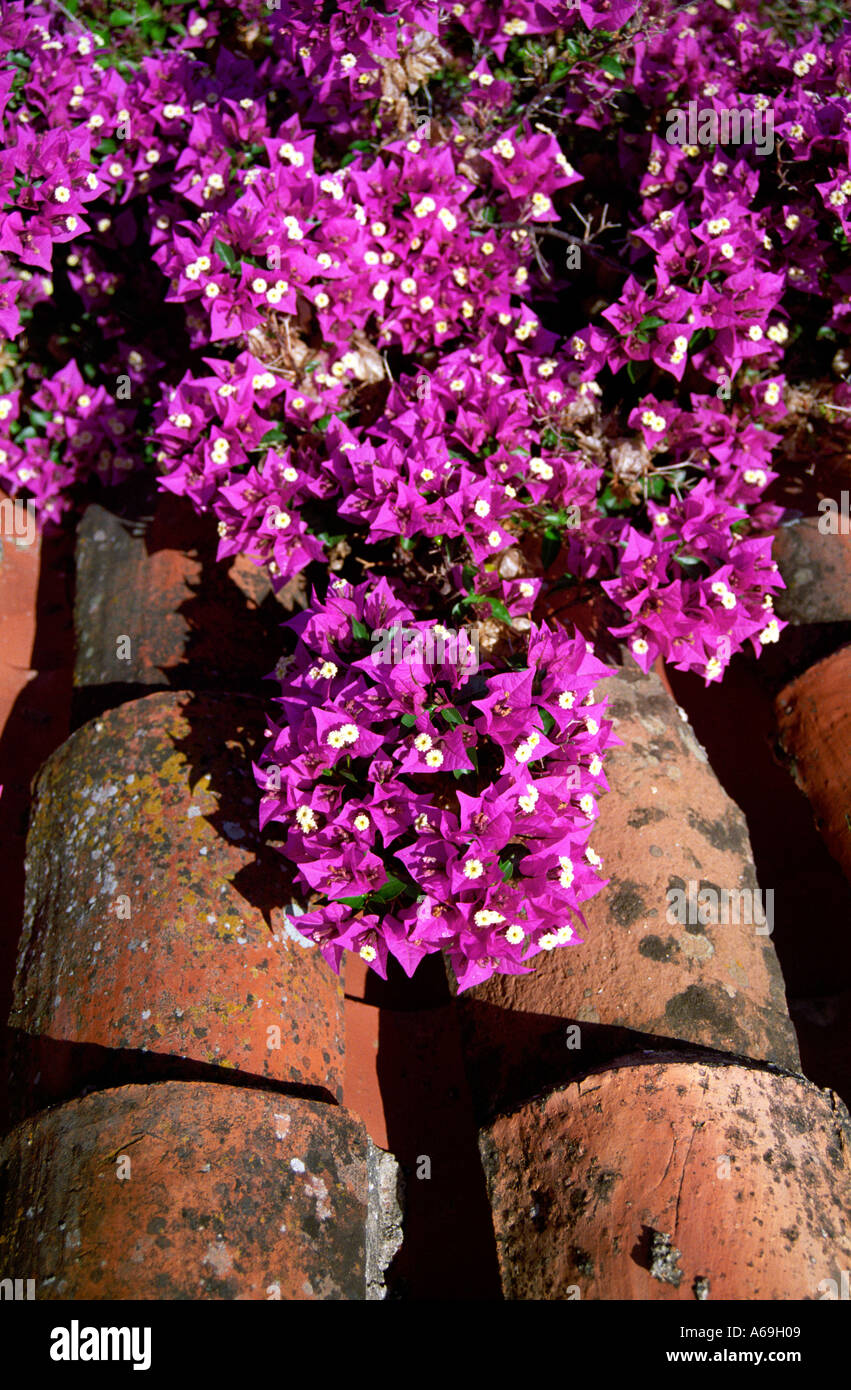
486 917
473 868
541 469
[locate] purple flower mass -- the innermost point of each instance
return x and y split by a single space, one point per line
431 808
439 295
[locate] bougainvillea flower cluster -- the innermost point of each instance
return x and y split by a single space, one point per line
428 291
429 805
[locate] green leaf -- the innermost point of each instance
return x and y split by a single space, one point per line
274 436
408 720
356 903
611 503
550 547
497 607
636 370
451 715
651 321
226 253
559 71
360 631
610 64
390 889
